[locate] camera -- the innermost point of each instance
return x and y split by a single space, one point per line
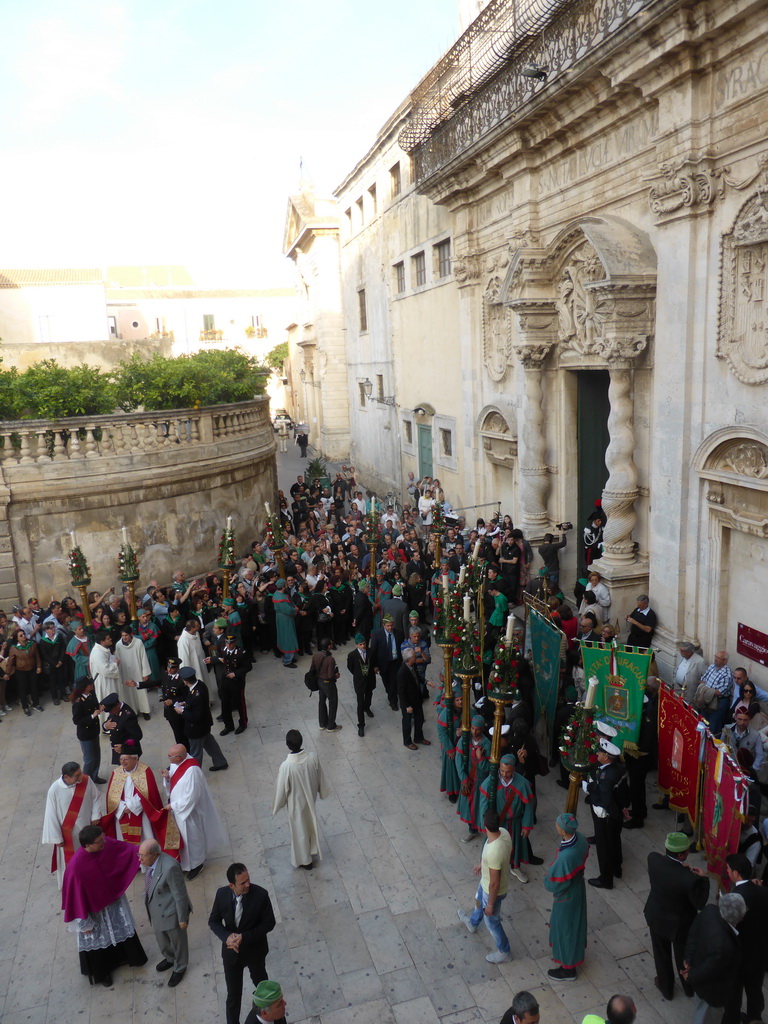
563 527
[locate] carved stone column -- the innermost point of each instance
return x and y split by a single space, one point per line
535 337
621 490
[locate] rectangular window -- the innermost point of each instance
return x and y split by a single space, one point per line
348 215
443 258
408 431
362 310
209 322
379 385
374 206
112 326
360 213
395 183
361 394
446 442
419 264
399 278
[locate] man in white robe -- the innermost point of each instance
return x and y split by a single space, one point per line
300 781
191 653
73 802
103 667
133 665
193 807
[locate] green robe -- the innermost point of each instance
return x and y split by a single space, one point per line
516 805
500 612
468 807
449 776
79 650
285 613
565 880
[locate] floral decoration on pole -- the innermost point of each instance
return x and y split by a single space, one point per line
226 560
372 536
579 744
274 536
78 567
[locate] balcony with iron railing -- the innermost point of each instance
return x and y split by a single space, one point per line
513 50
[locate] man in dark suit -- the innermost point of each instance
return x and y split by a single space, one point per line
363 680
168 907
385 656
396 608
409 696
678 893
195 709
241 917
754 950
609 794
712 955
362 611
172 690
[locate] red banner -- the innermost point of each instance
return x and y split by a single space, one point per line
752 643
723 806
678 752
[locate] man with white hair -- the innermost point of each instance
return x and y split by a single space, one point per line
409 695
712 957
689 672
193 807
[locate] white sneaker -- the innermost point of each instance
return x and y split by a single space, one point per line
3 713
463 916
518 874
470 836
498 957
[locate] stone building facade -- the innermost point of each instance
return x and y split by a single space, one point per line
599 170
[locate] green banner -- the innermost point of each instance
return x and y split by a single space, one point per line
621 687
546 640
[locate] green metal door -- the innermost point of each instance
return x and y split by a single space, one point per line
592 431
425 450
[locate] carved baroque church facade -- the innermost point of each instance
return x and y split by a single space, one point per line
553 275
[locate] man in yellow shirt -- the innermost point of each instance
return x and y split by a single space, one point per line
494 880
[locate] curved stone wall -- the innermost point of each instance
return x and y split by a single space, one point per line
170 477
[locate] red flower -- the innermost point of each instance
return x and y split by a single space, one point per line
592 758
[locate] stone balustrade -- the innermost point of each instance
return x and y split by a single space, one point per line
25 442
171 477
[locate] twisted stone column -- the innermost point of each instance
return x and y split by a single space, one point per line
621 491
534 477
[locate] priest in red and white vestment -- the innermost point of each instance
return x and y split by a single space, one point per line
196 816
73 802
135 808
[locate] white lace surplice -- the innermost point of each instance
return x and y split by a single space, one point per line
109 926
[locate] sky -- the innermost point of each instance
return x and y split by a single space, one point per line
154 131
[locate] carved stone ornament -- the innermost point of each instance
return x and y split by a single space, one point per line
581 312
687 184
531 355
747 459
466 269
493 289
495 424
742 335
497 340
499 445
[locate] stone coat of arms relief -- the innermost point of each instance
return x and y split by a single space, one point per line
742 336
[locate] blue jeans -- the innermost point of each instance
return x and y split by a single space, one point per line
91 757
288 657
492 922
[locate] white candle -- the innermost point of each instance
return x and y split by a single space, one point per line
510 624
372 505
74 539
125 537
229 522
266 506
591 691
467 607
461 574
445 582
476 552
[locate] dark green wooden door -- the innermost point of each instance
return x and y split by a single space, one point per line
425 450
592 427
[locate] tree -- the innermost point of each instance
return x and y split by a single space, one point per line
277 356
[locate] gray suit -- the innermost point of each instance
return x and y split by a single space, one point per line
696 669
168 905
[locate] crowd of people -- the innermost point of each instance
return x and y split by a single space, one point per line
188 642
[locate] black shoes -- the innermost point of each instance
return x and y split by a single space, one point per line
599 884
361 730
192 875
164 965
226 732
175 978
562 974
240 729
218 768
633 823
369 712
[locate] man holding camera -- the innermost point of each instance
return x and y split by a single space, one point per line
549 552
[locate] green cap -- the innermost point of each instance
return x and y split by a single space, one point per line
677 842
228 602
477 721
508 759
567 822
359 638
266 993
388 618
397 590
221 623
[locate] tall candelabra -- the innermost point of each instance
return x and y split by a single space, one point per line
81 575
226 560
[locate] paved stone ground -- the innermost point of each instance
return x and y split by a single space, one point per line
370 936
